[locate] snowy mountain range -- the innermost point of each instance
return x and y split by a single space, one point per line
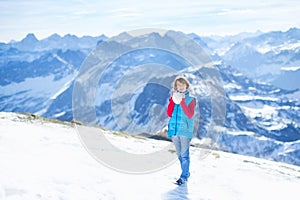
263 56
258 71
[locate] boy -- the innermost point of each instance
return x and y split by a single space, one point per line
181 123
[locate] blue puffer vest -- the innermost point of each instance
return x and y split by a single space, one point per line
179 123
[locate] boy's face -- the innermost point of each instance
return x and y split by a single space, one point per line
181 87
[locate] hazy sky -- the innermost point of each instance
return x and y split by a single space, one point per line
111 17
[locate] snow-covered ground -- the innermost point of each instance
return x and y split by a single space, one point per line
46 160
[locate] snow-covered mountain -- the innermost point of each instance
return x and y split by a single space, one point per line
35 73
272 120
44 159
68 42
262 120
262 56
34 86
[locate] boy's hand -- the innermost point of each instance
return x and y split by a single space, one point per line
177 97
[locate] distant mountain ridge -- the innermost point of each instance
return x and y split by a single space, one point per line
55 41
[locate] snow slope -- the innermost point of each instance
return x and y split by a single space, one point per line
41 159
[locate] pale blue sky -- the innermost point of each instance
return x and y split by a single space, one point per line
111 17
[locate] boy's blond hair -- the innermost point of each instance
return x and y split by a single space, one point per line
181 79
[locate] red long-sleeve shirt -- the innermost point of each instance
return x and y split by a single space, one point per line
187 109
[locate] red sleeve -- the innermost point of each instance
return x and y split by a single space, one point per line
170 107
188 110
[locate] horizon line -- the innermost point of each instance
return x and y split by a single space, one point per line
109 35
